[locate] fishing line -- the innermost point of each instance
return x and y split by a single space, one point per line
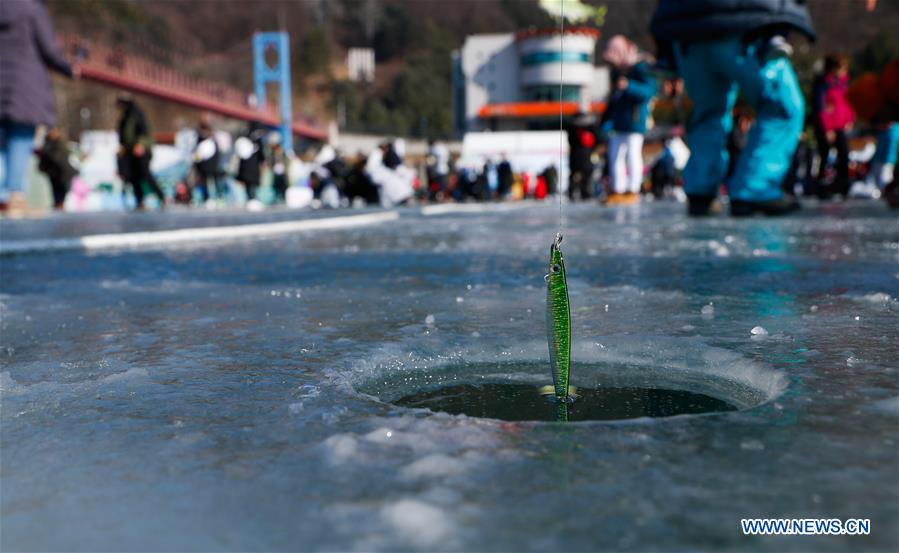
561 81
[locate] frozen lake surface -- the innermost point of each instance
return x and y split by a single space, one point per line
239 396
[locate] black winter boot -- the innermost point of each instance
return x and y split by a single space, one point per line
780 206
702 206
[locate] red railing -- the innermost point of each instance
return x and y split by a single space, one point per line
113 67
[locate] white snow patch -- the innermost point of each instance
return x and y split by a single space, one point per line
435 465
719 249
340 448
380 436
421 524
155 239
752 445
878 297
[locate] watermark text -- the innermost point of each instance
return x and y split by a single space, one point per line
806 526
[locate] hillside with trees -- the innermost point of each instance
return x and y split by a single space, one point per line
412 39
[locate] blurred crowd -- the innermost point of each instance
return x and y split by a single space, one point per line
836 150
737 125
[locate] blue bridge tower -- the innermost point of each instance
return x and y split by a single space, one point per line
279 72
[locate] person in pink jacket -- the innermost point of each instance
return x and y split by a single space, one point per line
833 119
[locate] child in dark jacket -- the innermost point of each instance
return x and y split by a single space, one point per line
54 162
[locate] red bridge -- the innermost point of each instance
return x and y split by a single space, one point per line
114 68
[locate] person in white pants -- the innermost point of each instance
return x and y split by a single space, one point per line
626 157
626 117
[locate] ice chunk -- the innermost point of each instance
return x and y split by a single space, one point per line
708 311
752 445
758 331
435 465
381 435
308 390
429 320
130 373
718 248
341 448
878 297
423 525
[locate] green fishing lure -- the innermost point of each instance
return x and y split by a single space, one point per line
558 320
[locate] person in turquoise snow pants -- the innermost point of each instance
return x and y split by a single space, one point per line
723 48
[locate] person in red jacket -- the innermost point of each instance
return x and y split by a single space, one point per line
833 119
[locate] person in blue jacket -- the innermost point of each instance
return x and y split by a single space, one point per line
722 47
625 117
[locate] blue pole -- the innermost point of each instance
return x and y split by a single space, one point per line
286 99
259 67
280 73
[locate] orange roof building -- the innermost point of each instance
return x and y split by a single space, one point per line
521 81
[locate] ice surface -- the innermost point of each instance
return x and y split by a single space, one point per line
236 396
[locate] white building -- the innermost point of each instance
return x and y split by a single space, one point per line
511 82
360 64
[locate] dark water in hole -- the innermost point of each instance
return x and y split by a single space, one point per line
523 402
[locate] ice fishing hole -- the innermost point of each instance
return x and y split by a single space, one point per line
512 392
524 402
